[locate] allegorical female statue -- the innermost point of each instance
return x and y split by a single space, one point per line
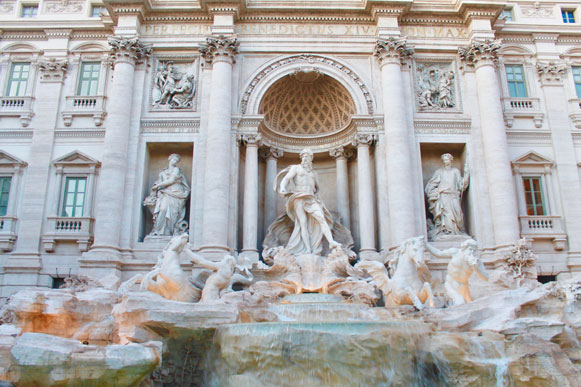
167 200
444 191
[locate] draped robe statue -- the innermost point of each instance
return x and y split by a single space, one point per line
444 191
312 220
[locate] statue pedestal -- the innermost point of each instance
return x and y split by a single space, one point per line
156 242
311 268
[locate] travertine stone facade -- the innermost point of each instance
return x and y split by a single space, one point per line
93 103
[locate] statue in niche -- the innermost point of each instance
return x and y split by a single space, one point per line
464 261
173 88
167 200
312 220
435 87
444 192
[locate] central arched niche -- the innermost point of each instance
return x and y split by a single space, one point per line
307 109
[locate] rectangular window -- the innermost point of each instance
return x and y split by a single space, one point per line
516 81
568 16
74 196
97 10
4 192
534 195
577 80
506 14
29 11
18 79
89 79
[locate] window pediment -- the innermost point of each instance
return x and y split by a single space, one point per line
7 160
76 159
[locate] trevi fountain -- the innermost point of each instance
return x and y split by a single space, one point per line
309 313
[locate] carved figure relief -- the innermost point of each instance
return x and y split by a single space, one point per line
64 6
167 200
174 85
435 87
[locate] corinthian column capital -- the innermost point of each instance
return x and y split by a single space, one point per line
392 50
250 139
551 73
363 139
52 70
219 49
271 152
341 153
127 50
480 53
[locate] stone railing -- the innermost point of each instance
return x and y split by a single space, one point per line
575 112
7 232
60 228
17 107
84 106
544 227
522 108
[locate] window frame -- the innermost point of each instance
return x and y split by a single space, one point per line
523 81
576 84
63 205
97 6
28 6
4 177
10 166
533 164
508 11
533 204
571 17
11 78
96 81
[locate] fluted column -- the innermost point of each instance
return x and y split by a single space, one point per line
271 154
500 181
219 52
390 53
125 54
341 155
365 195
250 216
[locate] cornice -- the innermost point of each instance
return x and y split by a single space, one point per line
23 35
92 35
307 18
178 18
17 133
431 19
77 133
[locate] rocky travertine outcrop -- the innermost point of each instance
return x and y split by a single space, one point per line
40 359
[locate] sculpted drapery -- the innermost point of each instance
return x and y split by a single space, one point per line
444 192
167 200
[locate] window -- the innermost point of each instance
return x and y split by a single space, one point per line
534 196
18 80
89 79
577 80
506 14
97 10
4 192
29 11
568 16
516 81
74 196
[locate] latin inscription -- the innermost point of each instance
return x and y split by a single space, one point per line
305 29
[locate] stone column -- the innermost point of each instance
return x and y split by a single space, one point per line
341 154
390 53
250 216
219 53
125 54
271 154
23 266
551 76
500 181
365 193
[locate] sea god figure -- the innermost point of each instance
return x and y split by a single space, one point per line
312 220
167 200
444 192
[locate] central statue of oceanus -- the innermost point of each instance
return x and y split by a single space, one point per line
312 223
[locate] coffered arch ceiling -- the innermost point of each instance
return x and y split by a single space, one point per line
306 109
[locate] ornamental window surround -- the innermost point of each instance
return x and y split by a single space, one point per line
71 204
507 14
85 97
18 69
97 10
538 210
519 93
576 71
11 170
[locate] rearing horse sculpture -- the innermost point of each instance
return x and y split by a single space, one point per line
408 284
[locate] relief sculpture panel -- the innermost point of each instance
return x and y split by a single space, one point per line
436 88
174 85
